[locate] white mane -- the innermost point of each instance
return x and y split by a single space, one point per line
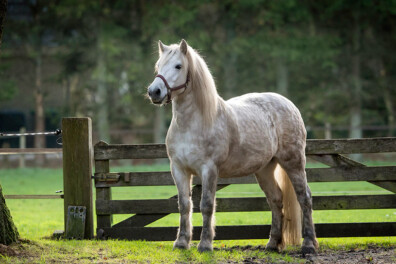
203 86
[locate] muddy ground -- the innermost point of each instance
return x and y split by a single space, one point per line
372 254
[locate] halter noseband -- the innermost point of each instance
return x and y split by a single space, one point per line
171 89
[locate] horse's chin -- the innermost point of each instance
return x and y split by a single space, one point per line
160 102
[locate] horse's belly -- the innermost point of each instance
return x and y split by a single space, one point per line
244 163
232 172
257 148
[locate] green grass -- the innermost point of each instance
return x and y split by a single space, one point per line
37 219
114 251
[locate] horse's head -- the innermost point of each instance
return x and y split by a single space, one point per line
172 73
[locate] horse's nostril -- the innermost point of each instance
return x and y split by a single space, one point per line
157 91
150 93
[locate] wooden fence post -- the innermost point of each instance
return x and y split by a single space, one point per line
77 168
102 195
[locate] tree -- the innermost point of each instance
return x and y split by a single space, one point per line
8 231
320 54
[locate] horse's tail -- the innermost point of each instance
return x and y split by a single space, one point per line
291 226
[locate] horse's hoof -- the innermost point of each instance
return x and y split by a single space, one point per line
180 245
205 248
273 245
272 249
308 250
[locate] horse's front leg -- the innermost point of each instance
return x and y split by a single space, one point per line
183 183
208 205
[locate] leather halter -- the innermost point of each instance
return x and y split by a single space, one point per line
171 89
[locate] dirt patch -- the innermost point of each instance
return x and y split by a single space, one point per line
371 254
24 249
8 251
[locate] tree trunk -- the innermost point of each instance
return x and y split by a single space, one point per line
230 75
159 128
39 141
231 60
70 85
159 125
102 103
390 110
8 231
3 10
379 69
386 93
282 77
356 93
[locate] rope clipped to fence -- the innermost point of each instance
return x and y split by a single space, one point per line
48 133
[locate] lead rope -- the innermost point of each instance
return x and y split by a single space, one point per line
56 133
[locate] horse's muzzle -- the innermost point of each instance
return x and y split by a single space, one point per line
155 95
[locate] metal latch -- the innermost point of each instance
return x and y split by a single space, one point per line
107 177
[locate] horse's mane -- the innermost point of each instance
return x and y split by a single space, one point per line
202 86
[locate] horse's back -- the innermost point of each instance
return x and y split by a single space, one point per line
273 109
263 101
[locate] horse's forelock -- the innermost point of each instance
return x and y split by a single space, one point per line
166 56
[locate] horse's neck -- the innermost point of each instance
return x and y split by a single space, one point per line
185 112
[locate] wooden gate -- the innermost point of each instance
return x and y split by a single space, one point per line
329 152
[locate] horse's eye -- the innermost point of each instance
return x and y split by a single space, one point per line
178 66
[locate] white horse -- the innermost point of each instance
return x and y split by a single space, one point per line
260 133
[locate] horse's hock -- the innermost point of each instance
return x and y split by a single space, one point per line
329 152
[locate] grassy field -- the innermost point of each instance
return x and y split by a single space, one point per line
37 219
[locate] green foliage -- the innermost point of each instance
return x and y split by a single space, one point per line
7 86
107 50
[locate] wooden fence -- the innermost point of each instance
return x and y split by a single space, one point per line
328 152
78 153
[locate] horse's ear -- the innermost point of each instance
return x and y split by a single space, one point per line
183 46
161 47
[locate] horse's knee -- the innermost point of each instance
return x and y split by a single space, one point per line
207 206
184 206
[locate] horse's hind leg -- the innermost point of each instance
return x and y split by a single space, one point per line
183 183
294 165
266 179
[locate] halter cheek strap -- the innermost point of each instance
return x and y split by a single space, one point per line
171 89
